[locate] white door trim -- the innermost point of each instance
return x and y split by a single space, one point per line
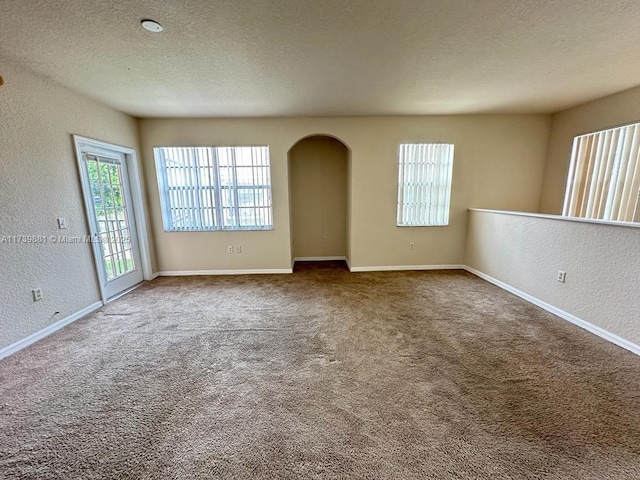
135 183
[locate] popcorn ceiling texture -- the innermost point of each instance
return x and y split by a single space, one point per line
602 264
323 374
39 182
329 57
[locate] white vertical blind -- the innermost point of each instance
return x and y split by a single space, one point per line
214 188
604 175
424 184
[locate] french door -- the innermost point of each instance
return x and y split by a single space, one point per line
107 193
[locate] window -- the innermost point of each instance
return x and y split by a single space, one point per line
424 184
604 176
214 188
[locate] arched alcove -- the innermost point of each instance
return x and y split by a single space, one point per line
319 198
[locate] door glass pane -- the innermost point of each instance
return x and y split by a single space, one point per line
111 217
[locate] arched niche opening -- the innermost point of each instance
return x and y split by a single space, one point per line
319 179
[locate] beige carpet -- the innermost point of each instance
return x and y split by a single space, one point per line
321 374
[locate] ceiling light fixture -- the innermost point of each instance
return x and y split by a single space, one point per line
151 26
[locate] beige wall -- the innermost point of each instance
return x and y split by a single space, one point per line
39 182
601 262
499 163
318 177
600 114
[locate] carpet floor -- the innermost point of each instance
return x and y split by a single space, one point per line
321 374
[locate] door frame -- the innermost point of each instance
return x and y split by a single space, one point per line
138 205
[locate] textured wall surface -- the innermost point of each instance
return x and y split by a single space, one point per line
601 114
318 168
602 263
498 163
39 182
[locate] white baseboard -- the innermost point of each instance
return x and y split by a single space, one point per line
318 259
611 337
39 335
390 268
184 273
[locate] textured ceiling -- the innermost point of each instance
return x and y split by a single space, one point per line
328 57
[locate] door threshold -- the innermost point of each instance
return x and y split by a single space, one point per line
122 293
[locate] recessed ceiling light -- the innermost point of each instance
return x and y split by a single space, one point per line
152 26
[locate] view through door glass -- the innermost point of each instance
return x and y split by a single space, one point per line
109 204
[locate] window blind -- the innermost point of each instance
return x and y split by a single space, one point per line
604 175
424 184
214 188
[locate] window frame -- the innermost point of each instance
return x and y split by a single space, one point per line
216 188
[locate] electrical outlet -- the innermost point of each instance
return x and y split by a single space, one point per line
239 249
37 294
562 275
230 249
412 246
324 239
62 223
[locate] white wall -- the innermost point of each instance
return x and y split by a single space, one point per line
318 168
602 263
39 182
607 112
499 163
